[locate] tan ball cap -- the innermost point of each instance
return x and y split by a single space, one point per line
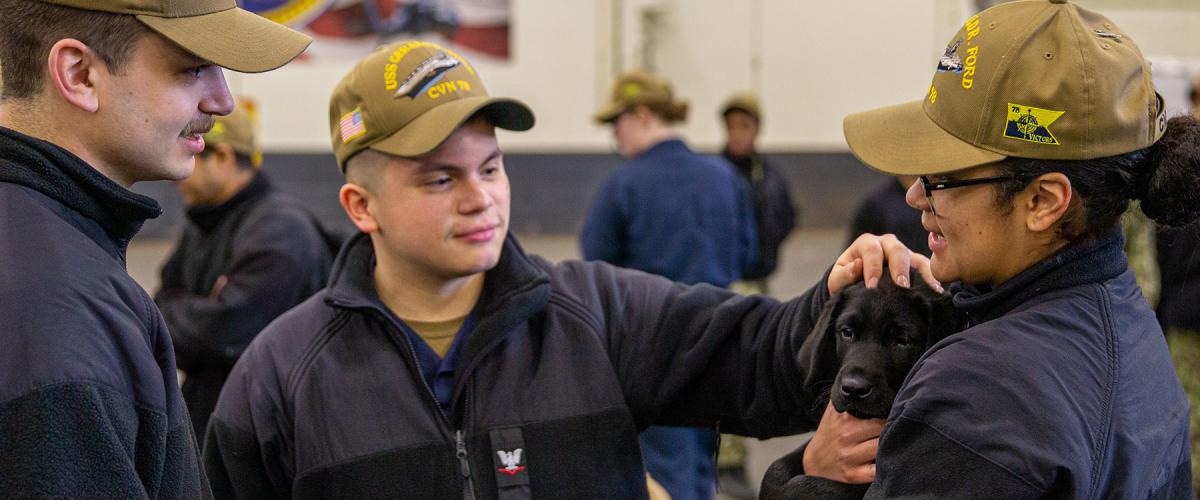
239 130
406 98
1031 79
214 30
639 87
744 102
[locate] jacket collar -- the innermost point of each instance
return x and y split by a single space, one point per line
513 291
208 217
1091 261
67 179
672 145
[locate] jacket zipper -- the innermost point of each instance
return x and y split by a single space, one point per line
460 445
460 450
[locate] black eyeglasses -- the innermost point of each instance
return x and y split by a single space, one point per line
931 186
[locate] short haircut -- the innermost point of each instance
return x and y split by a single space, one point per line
29 28
365 169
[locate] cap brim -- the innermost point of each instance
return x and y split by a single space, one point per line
430 130
609 112
903 140
234 38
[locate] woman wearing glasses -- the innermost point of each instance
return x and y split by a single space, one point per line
1040 125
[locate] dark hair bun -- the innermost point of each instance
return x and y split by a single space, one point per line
1171 178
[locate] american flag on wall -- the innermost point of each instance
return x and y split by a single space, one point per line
352 125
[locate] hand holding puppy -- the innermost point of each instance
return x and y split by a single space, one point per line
843 448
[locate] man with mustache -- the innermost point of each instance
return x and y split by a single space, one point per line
248 254
98 95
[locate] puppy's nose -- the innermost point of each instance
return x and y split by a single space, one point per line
855 387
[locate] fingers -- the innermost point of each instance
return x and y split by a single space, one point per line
859 462
861 474
861 453
921 263
217 286
843 448
870 250
858 445
898 258
853 430
844 275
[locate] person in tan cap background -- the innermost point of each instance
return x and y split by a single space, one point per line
98 95
671 212
774 213
442 361
248 254
1039 127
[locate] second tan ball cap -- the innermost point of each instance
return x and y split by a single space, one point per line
1030 79
238 129
215 30
640 87
406 98
745 102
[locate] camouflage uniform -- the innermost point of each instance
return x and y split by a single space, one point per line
1139 247
1183 344
1185 354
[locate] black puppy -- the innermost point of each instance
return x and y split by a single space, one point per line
859 353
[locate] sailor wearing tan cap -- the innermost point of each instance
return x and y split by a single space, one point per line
442 361
1040 126
98 95
678 214
248 254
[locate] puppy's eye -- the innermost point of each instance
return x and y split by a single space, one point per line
847 333
902 341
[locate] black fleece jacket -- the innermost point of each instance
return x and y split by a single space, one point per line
565 364
89 403
271 256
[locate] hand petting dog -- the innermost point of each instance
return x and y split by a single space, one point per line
864 261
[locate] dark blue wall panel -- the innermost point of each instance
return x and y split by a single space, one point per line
551 192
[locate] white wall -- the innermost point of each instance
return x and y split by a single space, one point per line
812 62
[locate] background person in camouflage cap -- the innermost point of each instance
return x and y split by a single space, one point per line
98 95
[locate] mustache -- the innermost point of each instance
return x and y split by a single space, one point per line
199 126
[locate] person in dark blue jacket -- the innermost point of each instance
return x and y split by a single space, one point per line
677 214
99 95
1040 126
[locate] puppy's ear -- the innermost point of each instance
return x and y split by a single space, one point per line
817 359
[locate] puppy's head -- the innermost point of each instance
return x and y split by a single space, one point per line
867 340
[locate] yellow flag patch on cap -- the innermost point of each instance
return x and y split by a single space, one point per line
1028 123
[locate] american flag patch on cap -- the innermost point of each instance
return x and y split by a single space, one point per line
352 125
